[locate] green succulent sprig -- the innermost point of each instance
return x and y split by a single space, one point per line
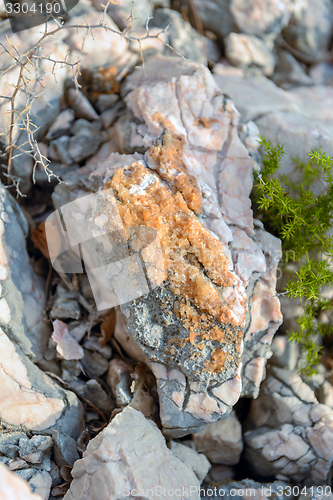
303 220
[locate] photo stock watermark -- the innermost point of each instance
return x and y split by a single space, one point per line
26 14
87 235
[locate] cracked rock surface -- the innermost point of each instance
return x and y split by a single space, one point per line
130 454
214 289
292 434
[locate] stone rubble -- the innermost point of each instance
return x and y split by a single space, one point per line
291 433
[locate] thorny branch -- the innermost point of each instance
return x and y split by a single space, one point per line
31 74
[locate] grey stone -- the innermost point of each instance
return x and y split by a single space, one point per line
180 35
310 27
261 18
291 433
94 363
106 101
65 450
119 380
22 292
285 353
61 125
9 443
247 488
197 461
81 105
84 144
58 150
289 73
215 16
65 308
248 51
97 395
34 450
221 441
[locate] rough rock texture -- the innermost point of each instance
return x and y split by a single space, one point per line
22 293
221 441
292 433
249 51
13 487
215 267
28 397
130 454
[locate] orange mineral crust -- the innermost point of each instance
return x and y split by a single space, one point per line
197 269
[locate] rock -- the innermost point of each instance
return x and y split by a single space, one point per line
248 50
58 150
197 461
66 345
81 105
65 450
183 357
261 17
322 73
22 292
292 433
41 484
219 473
34 450
221 441
184 39
61 125
95 51
289 73
96 394
148 468
287 117
94 363
9 443
28 397
214 15
285 353
84 144
254 95
65 308
247 488
106 101
310 27
120 381
13 487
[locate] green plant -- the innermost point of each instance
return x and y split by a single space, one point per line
303 221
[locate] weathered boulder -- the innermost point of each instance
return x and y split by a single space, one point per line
129 458
215 278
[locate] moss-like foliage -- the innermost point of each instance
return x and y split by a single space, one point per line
303 221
